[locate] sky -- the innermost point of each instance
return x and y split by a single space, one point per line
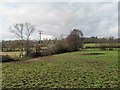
58 19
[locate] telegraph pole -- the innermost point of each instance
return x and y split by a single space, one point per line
40 33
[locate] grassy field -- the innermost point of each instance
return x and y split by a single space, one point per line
12 54
91 44
84 69
97 44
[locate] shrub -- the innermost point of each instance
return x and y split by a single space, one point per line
40 53
60 47
110 48
103 47
34 54
75 40
7 58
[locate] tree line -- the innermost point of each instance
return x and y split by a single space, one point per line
73 42
14 45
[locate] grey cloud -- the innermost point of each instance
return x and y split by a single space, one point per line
56 18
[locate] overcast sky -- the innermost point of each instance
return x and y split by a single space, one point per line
59 18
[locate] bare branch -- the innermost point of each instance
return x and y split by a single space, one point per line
14 31
29 29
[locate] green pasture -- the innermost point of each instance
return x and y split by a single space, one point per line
12 54
91 44
83 69
97 44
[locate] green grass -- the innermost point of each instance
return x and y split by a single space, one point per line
91 44
17 53
68 70
98 44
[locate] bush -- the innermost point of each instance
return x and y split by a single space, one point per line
40 53
51 49
75 40
111 49
7 58
60 47
103 47
34 54
107 47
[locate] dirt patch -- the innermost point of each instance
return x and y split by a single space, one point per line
93 53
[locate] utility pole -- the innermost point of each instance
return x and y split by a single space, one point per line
40 33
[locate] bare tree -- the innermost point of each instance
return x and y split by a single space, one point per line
29 31
17 29
23 31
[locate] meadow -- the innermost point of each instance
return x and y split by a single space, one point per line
90 68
